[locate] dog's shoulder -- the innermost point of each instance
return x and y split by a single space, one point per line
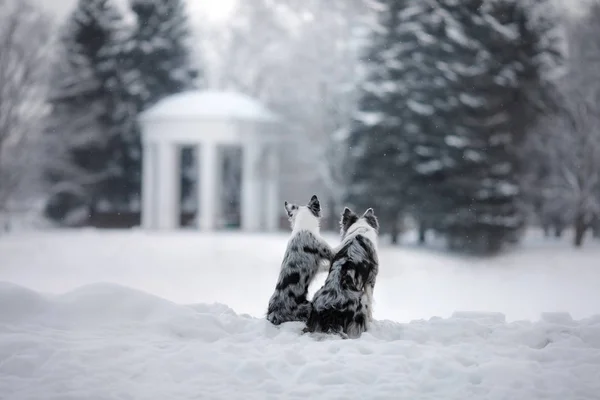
341 252
306 242
368 247
358 255
357 248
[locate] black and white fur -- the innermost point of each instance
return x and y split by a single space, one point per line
304 257
344 304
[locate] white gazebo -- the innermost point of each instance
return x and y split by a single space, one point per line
207 120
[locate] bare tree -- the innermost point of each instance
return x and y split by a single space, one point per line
25 35
564 153
247 53
247 56
572 151
325 64
300 58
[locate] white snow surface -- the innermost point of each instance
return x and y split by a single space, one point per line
209 104
137 315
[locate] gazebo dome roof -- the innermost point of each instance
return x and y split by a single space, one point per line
209 105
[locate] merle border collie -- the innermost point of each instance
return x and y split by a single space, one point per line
306 254
343 305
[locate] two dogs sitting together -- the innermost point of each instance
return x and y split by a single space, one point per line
344 304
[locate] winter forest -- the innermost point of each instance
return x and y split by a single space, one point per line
467 121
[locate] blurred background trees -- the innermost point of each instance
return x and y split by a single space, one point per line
465 121
452 92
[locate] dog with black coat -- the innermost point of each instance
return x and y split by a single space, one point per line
306 255
344 304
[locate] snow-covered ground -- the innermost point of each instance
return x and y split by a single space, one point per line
241 270
130 315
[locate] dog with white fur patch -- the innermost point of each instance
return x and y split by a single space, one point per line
304 258
344 304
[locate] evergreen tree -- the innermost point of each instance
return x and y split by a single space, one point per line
494 77
427 104
159 64
452 89
85 108
160 53
379 141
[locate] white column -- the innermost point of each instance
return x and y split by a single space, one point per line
148 186
272 206
251 206
208 189
167 186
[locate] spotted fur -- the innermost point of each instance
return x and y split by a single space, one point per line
306 254
344 304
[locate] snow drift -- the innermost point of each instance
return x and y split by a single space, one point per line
105 341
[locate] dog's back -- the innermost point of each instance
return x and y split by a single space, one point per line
303 256
342 306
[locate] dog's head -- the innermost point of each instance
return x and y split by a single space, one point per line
350 220
304 217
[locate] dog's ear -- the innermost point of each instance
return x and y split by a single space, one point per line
315 206
347 213
348 218
371 219
290 209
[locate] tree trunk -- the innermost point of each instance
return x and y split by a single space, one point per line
395 232
580 228
558 231
422 233
596 229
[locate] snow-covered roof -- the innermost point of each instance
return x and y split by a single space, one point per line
209 104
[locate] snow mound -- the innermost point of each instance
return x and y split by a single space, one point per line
17 302
106 341
209 104
106 303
